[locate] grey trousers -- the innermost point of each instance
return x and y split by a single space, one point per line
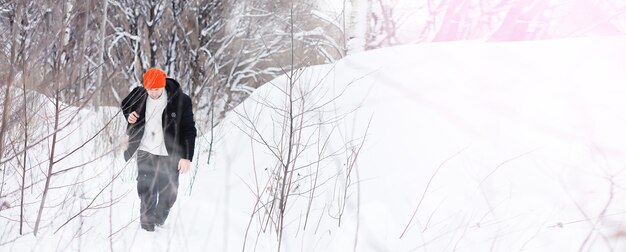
157 186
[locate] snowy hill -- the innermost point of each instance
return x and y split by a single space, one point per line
461 146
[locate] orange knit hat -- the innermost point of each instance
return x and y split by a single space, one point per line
154 78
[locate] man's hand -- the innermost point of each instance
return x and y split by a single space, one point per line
132 118
184 165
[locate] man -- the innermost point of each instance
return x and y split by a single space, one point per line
162 131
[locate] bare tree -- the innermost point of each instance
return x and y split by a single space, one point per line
56 72
383 25
14 19
300 144
376 23
25 129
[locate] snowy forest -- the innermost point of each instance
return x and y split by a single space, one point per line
276 84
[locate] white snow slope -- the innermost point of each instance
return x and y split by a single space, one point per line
466 146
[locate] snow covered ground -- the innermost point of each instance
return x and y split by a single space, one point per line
467 146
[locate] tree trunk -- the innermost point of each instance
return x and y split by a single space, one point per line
358 26
151 39
15 19
103 22
24 162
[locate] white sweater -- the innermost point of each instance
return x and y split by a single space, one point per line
153 140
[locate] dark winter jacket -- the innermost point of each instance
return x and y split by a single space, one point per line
178 125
